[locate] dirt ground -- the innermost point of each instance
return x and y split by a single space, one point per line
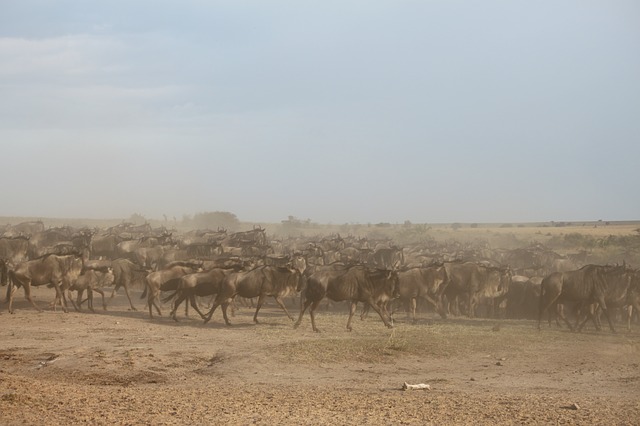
120 367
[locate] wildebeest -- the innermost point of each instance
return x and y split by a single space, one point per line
617 285
523 297
388 257
25 228
155 280
125 274
354 284
585 286
259 282
14 249
200 284
633 297
474 282
91 280
60 271
423 283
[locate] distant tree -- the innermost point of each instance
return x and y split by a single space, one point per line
137 218
456 226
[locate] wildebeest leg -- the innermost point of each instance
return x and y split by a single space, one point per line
60 294
379 312
126 291
156 303
414 303
590 313
225 305
194 304
365 312
151 302
79 300
566 321
312 314
73 303
104 304
216 303
630 309
258 306
545 304
472 303
90 300
11 289
303 307
352 310
176 303
605 311
280 303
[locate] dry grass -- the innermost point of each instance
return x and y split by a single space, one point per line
371 343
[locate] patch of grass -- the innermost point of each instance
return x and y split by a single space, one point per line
446 339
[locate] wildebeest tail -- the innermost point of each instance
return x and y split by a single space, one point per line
169 297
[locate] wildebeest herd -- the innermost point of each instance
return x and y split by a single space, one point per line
218 268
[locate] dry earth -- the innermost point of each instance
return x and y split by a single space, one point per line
120 367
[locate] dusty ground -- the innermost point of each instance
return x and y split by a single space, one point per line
119 367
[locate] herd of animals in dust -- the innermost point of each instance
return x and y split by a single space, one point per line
221 269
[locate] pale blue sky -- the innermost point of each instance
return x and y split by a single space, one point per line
337 111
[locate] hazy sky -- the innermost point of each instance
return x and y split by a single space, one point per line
337 111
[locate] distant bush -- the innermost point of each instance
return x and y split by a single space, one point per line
212 220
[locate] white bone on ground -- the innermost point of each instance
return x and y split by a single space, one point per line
407 386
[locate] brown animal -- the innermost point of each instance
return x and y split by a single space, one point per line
155 280
473 283
259 282
353 284
91 280
199 284
423 283
14 249
585 286
60 271
125 275
617 281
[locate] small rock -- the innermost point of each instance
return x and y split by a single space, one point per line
472 379
499 364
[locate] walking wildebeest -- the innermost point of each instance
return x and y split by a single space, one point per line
585 286
354 284
125 274
60 271
155 280
91 280
426 283
199 284
259 282
476 282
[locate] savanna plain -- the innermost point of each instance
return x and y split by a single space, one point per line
120 367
